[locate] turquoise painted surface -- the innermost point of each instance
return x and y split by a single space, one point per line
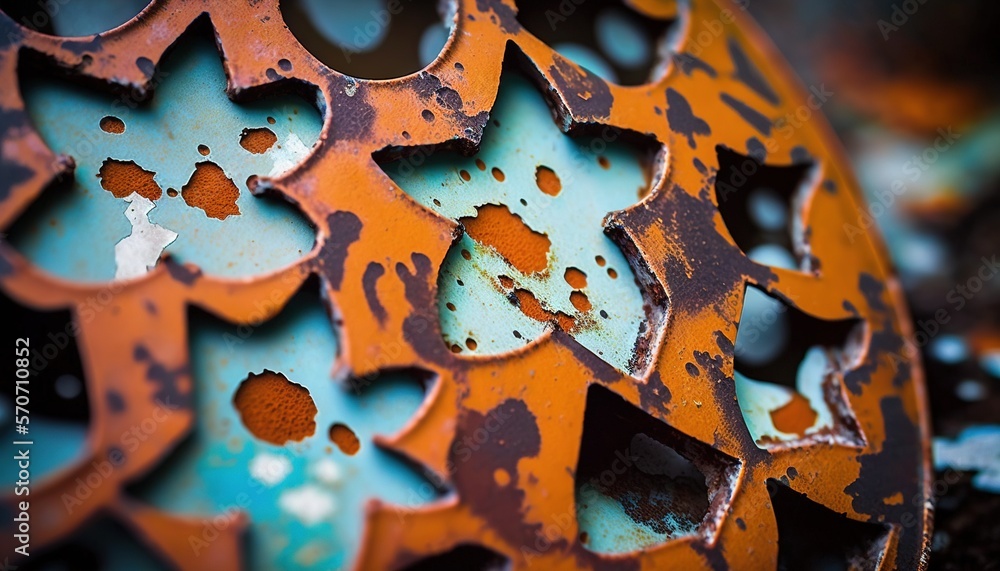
72 233
524 137
305 499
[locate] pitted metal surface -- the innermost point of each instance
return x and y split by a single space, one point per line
512 436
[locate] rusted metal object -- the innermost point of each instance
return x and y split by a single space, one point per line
378 254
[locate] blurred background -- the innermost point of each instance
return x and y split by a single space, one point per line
916 106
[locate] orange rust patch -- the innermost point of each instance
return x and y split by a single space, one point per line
113 125
450 306
122 178
258 141
548 181
211 190
498 174
600 260
275 409
471 344
575 278
344 438
465 175
495 226
795 417
204 150
501 477
531 307
580 301
480 164
612 273
894 500
604 162
506 282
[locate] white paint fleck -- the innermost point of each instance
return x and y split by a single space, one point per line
977 449
287 155
270 469
138 252
328 472
310 503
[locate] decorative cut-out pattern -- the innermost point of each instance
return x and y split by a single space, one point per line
532 203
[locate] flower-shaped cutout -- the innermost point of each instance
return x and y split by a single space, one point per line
532 203
375 39
72 18
170 174
267 439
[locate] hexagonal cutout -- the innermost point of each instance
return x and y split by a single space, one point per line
760 204
613 39
535 252
789 369
812 536
641 482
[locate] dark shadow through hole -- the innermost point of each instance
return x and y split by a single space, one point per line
759 204
607 37
811 536
465 557
662 480
391 40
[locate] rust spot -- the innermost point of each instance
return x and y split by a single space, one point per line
344 438
575 278
275 409
600 260
257 141
531 307
465 175
894 500
548 181
113 125
211 190
471 344
498 174
122 178
171 192
612 273
506 282
427 114
450 306
271 120
604 162
580 301
204 150
456 349
501 477
495 226
466 254
795 417
480 164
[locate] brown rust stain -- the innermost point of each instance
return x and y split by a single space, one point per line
122 178
580 301
530 306
113 125
575 278
795 417
258 140
344 438
498 174
212 191
275 409
495 226
548 181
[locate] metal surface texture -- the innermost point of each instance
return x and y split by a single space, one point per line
524 276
